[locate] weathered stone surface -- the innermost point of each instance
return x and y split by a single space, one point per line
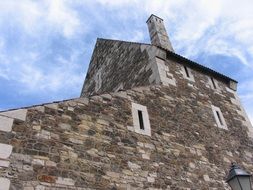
4 163
16 114
38 162
65 126
65 181
5 183
206 178
46 178
5 151
158 33
151 179
117 54
6 124
52 106
133 166
37 127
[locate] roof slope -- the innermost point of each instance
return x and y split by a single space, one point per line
181 58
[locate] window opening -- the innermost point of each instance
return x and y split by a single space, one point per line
186 71
141 122
220 121
140 116
214 85
218 115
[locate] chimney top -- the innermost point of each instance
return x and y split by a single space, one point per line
157 33
152 15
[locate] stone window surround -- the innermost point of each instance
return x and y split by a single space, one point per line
189 70
218 116
163 70
213 83
135 108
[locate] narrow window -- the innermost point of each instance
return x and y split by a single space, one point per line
218 115
214 85
186 71
141 120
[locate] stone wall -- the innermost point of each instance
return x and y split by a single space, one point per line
90 143
117 65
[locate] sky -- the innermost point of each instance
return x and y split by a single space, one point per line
46 45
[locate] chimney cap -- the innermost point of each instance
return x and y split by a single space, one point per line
152 15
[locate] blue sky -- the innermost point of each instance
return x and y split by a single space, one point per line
46 45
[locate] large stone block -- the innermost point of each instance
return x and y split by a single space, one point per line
16 114
5 151
6 124
4 183
65 181
4 163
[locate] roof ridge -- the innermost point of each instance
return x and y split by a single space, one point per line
141 43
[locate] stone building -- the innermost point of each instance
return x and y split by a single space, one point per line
147 118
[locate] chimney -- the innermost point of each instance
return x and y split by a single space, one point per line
158 34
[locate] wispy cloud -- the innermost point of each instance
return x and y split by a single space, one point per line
63 17
41 16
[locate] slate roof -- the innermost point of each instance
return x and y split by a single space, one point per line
182 59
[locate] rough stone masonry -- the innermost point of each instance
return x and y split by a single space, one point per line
147 118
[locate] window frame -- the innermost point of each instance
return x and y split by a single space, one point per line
187 73
219 118
136 109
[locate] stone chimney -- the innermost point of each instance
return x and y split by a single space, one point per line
158 34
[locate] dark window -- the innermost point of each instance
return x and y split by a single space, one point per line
186 71
140 119
218 115
214 85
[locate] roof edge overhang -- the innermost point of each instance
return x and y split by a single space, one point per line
199 66
182 59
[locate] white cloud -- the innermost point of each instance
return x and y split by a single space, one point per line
61 76
63 17
41 16
216 45
3 60
134 36
118 3
247 85
30 76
